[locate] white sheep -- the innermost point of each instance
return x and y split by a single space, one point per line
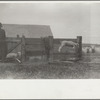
15 56
68 43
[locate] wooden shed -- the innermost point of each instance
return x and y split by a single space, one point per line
32 33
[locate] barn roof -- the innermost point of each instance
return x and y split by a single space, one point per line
33 31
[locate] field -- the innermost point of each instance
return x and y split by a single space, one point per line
40 70
87 68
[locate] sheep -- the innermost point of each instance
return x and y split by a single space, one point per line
93 48
67 43
15 56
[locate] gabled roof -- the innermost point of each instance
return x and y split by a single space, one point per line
31 31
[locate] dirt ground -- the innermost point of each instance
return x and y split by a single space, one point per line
40 70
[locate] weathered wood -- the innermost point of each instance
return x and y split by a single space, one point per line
18 36
42 49
79 41
57 40
16 45
23 50
35 53
32 41
69 52
47 47
51 48
34 47
13 43
12 40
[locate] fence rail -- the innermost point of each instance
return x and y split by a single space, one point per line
47 46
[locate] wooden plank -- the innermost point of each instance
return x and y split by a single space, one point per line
23 49
35 53
51 48
14 47
13 41
33 41
34 47
64 53
57 40
79 51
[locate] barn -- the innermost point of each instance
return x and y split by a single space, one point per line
29 31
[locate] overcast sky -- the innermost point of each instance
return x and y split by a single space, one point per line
67 20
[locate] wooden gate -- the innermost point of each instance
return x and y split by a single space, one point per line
13 44
68 53
44 47
48 47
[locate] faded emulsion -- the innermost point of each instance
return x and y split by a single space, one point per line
49 41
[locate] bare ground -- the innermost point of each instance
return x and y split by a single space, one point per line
41 70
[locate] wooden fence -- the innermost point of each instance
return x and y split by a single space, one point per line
45 47
13 44
68 53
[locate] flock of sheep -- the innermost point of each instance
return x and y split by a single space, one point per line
88 49
91 49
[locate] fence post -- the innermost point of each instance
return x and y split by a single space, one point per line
51 48
23 49
47 48
43 49
18 36
79 41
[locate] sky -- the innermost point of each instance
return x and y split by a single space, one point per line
67 20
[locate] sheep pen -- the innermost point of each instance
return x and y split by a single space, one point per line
34 68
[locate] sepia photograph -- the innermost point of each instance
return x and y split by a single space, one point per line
49 40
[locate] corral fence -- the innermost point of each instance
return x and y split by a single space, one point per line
44 48
13 44
68 53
